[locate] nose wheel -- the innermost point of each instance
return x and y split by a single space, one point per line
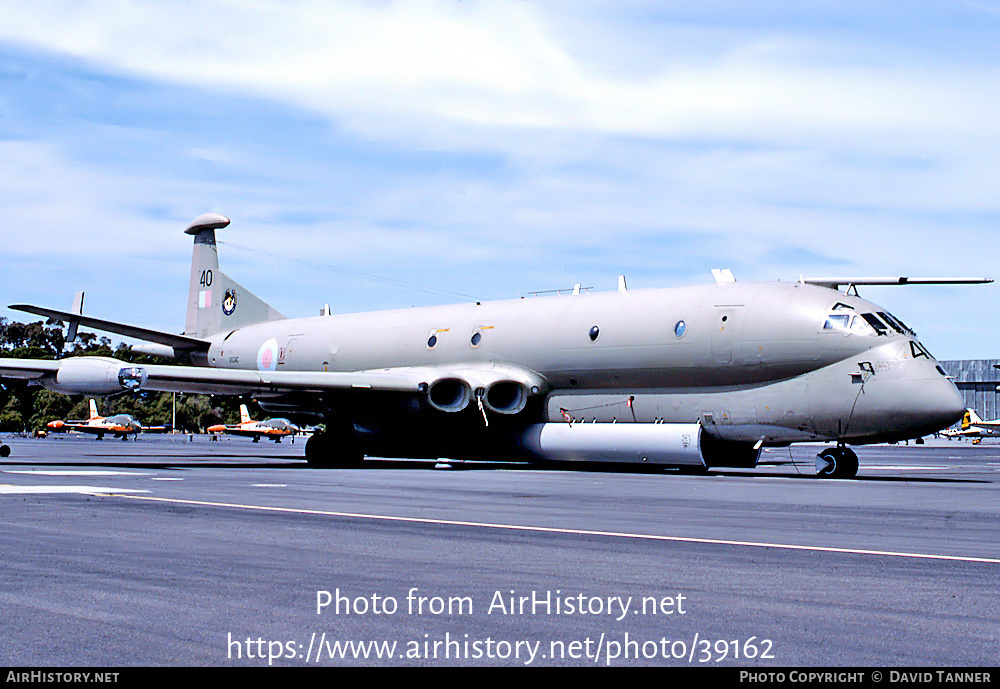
837 462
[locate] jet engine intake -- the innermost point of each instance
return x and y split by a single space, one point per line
449 394
506 397
90 375
500 389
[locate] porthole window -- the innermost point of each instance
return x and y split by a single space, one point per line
431 341
594 333
476 338
680 329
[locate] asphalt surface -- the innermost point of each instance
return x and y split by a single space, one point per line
168 551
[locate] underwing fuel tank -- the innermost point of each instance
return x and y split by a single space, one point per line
671 444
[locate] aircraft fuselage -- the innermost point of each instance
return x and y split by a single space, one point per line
750 362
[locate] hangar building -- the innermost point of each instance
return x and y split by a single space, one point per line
978 380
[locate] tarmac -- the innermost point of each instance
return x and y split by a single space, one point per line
180 551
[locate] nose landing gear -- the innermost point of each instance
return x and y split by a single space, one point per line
838 462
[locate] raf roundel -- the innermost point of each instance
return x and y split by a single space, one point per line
267 356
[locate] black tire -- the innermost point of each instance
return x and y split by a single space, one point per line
4 451
840 463
323 453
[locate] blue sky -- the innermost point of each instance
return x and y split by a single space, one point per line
379 154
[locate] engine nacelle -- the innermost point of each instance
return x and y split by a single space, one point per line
503 389
96 375
672 444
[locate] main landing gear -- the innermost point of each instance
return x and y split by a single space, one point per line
837 462
325 451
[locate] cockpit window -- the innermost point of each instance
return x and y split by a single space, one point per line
837 321
845 322
841 306
892 323
897 324
875 323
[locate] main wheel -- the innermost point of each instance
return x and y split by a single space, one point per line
324 452
840 462
4 451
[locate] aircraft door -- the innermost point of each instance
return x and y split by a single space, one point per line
724 332
285 353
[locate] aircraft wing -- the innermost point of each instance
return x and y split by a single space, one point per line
838 282
28 369
180 342
448 388
104 376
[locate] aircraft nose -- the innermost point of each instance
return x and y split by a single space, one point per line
939 401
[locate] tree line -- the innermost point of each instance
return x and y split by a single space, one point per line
25 407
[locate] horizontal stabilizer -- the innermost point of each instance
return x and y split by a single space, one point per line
178 342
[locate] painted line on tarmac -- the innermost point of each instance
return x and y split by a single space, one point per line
10 489
572 532
74 472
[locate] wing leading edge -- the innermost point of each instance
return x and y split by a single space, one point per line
501 388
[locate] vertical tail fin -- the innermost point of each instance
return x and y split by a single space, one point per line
93 410
970 418
216 302
244 414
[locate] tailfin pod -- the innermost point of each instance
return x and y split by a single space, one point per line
216 302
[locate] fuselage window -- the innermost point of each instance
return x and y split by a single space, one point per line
431 341
680 329
476 339
594 333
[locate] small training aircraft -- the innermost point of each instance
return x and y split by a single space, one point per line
119 425
697 378
973 426
274 429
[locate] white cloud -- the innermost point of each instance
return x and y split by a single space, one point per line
424 67
506 145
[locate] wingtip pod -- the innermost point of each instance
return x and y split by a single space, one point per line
95 376
207 221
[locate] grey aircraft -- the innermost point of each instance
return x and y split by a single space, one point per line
696 377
